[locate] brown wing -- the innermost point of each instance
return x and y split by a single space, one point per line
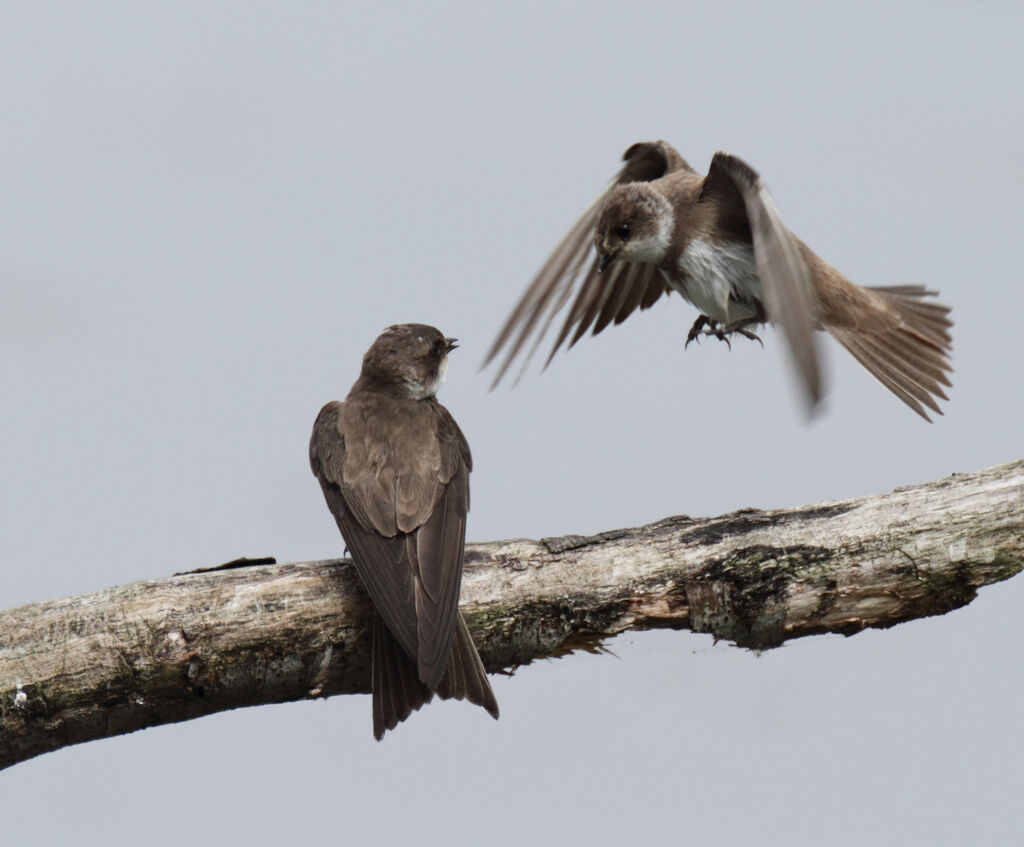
601 298
440 544
412 576
737 192
385 566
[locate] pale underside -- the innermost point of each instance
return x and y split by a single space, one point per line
721 281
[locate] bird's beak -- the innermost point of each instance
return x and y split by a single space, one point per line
451 344
605 260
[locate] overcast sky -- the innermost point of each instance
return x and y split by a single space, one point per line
208 212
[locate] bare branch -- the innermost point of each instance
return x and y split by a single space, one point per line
168 650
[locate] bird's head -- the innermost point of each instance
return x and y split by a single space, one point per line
411 357
635 225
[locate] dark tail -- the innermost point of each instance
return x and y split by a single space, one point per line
465 678
906 346
397 690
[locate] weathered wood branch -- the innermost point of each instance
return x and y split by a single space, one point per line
168 650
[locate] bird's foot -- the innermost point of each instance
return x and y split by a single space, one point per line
746 333
697 330
708 326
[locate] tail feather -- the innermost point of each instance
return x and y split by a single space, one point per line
925 363
906 346
397 690
466 678
892 377
929 319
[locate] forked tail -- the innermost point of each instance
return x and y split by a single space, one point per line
397 690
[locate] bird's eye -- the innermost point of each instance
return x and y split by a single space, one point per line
623 231
436 349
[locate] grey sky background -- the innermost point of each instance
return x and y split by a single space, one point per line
208 212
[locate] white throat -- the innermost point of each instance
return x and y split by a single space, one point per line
421 391
652 248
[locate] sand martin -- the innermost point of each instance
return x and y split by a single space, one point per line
720 242
394 468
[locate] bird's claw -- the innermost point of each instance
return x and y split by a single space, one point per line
697 330
707 326
748 334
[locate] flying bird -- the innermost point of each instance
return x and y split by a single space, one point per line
394 468
719 241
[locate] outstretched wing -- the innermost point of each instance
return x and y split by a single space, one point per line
741 198
600 298
412 577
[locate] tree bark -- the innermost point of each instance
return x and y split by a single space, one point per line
168 650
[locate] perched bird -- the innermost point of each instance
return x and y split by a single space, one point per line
394 468
719 241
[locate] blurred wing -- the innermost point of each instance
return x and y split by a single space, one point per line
601 298
788 293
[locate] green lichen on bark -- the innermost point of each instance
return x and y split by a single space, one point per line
742 597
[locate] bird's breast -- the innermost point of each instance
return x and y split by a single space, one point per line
720 279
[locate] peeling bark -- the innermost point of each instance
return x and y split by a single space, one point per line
168 650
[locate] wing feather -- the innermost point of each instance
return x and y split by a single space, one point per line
785 277
412 571
440 543
572 267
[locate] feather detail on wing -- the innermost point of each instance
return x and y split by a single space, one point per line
412 571
600 299
785 277
386 567
439 549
